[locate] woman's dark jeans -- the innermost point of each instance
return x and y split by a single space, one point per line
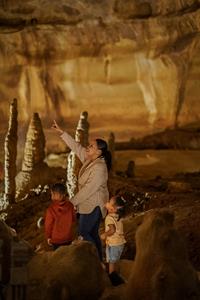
89 228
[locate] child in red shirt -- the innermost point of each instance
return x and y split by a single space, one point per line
59 218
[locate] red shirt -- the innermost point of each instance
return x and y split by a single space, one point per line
58 222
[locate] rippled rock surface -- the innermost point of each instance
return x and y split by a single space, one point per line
136 63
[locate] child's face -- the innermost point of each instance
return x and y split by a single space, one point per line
111 205
56 196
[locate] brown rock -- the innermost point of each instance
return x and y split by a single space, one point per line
10 156
34 152
178 186
130 172
114 57
111 147
125 266
133 9
74 163
161 268
34 170
74 272
5 250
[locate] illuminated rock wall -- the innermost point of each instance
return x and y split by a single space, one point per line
133 66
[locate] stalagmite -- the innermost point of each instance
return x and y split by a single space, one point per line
130 171
74 164
10 157
33 166
34 152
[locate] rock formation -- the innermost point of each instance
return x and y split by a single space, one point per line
98 55
5 250
34 170
10 157
15 255
74 273
74 164
161 269
130 171
34 152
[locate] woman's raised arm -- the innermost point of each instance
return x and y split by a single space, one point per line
76 147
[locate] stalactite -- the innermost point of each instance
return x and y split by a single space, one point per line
74 164
10 156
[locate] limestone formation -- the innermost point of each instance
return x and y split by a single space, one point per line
82 132
134 65
33 166
161 269
10 157
74 164
111 147
74 273
34 152
5 250
130 172
15 255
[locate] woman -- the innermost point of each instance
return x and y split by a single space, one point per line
92 185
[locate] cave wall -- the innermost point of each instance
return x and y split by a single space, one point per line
133 65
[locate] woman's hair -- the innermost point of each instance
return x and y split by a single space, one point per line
59 188
105 153
120 203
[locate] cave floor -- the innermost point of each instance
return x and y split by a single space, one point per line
180 194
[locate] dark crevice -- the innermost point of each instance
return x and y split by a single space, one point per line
21 23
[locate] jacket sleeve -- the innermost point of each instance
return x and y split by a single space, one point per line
48 224
77 148
96 178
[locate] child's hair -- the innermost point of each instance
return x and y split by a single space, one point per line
59 188
121 206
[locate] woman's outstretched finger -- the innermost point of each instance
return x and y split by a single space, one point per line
56 127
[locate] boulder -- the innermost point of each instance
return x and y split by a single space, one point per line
161 269
74 272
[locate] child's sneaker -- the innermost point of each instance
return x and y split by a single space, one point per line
116 279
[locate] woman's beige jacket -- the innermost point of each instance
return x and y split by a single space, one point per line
92 180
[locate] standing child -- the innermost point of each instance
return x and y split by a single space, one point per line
59 218
114 236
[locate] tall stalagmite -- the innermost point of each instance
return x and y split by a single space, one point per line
33 164
10 156
74 164
34 153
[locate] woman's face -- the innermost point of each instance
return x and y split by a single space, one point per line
92 150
